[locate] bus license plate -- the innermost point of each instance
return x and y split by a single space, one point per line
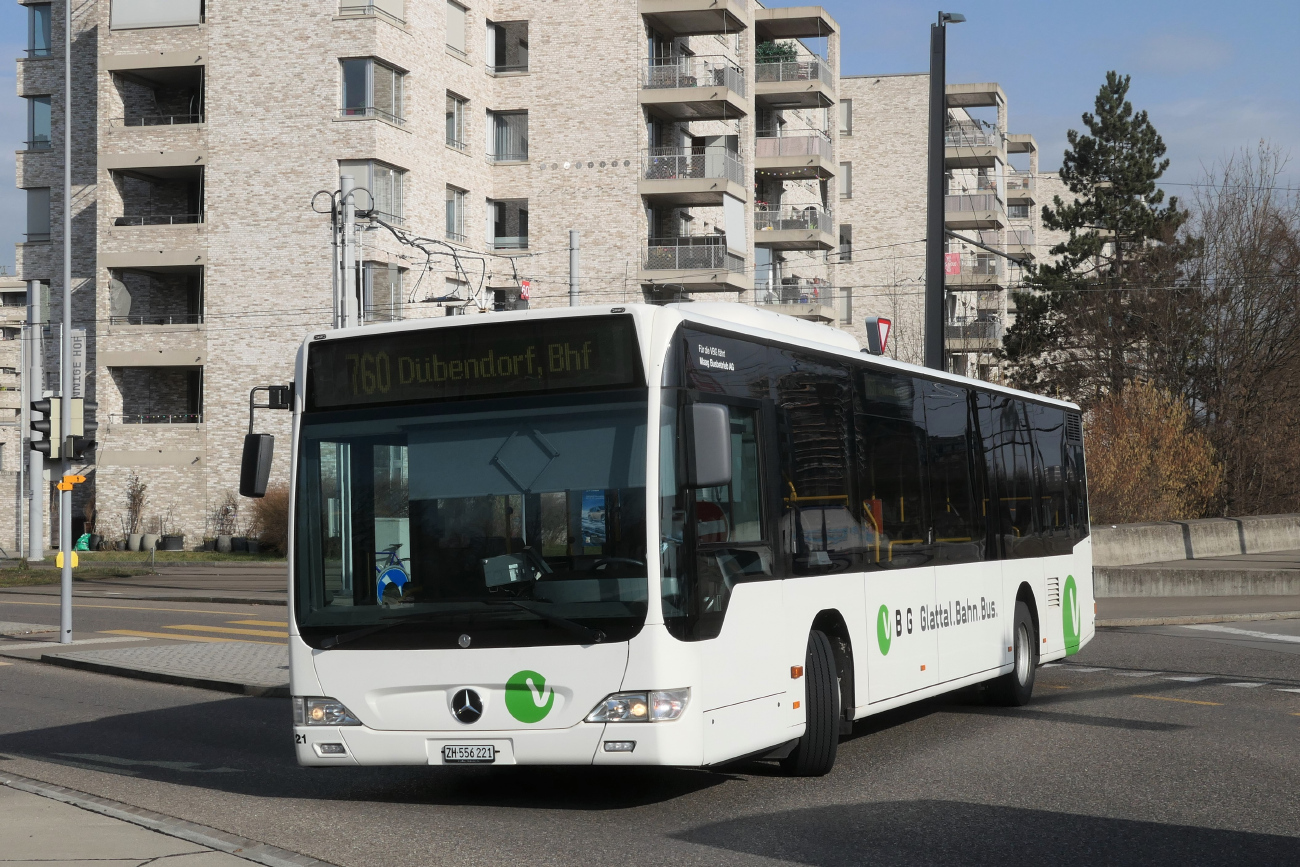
482 754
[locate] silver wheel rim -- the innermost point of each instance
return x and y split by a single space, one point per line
1022 654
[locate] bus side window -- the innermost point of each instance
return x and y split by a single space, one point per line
1076 480
1048 427
956 524
985 439
1015 478
890 435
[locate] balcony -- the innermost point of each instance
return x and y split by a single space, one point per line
694 88
972 270
158 220
793 22
806 83
153 395
972 145
978 211
973 335
1020 189
392 11
691 176
694 17
813 300
695 263
155 418
803 155
794 228
1020 243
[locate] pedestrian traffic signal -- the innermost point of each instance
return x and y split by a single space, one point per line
47 426
82 428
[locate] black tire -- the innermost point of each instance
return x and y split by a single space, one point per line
1015 688
815 754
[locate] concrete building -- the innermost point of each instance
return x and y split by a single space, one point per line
687 141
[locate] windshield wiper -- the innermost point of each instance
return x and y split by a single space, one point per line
345 637
593 636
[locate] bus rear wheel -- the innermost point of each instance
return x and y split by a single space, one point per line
815 754
1014 688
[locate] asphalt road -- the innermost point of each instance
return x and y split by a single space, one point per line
181 621
1112 763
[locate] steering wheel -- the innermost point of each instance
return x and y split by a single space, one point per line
605 561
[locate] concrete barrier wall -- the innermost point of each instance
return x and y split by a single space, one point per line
1133 544
1108 581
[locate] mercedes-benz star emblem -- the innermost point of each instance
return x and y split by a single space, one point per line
467 706
463 641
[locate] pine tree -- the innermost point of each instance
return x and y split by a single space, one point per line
1086 319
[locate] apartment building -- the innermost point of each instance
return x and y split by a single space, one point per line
688 142
990 199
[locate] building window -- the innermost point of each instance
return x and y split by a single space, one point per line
382 292
38 214
140 14
457 106
846 180
507 47
507 226
372 89
2 457
456 215
38 30
846 242
1018 212
384 183
507 136
846 117
456 30
38 123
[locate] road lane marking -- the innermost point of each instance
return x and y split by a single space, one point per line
4 602
284 623
1050 665
1188 679
1054 686
141 634
1079 668
1247 685
1289 690
6 663
1248 633
1134 673
229 630
1180 700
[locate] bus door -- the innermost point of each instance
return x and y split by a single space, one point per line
968 579
1011 462
899 588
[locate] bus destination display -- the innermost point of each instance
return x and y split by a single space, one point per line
473 361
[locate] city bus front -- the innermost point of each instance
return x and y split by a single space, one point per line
470 545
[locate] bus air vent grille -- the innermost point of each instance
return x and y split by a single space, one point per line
1054 592
1073 428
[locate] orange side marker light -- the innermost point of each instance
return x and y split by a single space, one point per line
795 705
796 672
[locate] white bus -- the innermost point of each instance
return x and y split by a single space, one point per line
673 535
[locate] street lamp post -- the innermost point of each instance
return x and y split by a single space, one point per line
934 281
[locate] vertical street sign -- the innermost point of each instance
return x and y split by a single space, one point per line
78 370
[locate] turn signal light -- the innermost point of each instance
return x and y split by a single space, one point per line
796 672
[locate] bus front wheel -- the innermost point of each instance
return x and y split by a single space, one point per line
1014 688
815 754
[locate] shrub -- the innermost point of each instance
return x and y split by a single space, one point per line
271 517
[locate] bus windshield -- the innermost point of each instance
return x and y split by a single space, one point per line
497 523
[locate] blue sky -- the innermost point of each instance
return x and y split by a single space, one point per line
1214 77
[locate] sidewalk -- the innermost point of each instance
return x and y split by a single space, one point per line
1183 610
1275 573
46 824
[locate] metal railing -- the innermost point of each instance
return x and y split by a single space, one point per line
701 71
973 329
364 10
506 69
456 237
810 218
187 118
1020 182
815 69
510 242
457 52
39 52
1020 237
372 111
803 144
155 418
691 252
959 135
157 319
39 144
980 264
674 164
799 295
971 203
458 145
520 157
158 220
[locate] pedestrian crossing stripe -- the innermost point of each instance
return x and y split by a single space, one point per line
228 630
260 622
138 633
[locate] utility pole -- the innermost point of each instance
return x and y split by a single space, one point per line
573 267
350 305
34 386
934 278
65 368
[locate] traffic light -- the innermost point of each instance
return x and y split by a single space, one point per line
81 428
48 427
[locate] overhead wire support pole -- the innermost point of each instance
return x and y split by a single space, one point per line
934 223
35 387
573 267
65 367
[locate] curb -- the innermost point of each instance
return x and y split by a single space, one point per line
220 600
1189 619
202 835
253 689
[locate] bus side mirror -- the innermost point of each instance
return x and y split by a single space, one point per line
255 469
711 455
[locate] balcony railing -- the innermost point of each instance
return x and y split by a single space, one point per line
691 252
978 264
1020 182
795 70
972 203
959 135
38 52
810 144
704 71
974 329
376 8
158 319
798 295
504 69
508 157
372 111
675 164
510 242
1020 237
155 418
458 145
158 220
791 219
157 120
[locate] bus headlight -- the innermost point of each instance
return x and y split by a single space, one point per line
322 712
659 706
